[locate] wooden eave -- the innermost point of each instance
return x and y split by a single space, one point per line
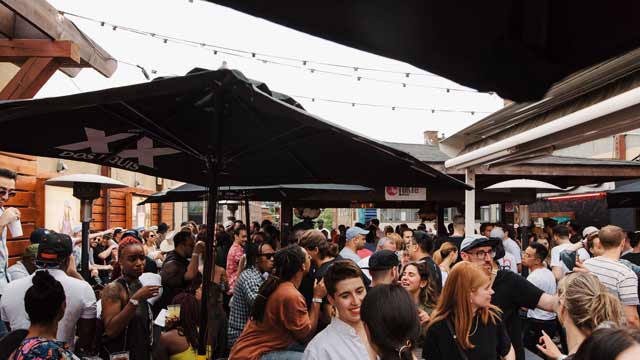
37 19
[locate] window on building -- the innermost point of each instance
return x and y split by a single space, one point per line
485 214
399 215
195 211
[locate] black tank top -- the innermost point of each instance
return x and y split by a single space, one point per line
139 328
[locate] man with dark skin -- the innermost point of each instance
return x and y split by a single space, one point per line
125 311
177 272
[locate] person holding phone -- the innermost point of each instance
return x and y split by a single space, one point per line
125 312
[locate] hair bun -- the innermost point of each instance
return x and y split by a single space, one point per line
42 279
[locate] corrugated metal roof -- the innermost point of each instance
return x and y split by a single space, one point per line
432 154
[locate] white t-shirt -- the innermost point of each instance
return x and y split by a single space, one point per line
4 258
542 278
80 299
365 263
555 256
17 271
338 341
508 262
511 247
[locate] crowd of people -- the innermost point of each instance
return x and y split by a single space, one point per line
353 292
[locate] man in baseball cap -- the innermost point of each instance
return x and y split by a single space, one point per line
355 241
479 249
54 255
383 267
588 231
37 235
26 266
54 249
511 291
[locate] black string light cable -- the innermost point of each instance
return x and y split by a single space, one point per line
146 71
392 107
299 64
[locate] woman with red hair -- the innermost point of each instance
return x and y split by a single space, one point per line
464 324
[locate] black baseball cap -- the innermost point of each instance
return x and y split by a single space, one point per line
54 248
37 235
383 260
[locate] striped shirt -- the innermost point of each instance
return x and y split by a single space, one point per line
616 277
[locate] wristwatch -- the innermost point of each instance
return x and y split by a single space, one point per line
317 300
134 302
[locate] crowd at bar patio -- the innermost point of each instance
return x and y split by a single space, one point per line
206 215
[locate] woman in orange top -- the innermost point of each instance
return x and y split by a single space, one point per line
279 319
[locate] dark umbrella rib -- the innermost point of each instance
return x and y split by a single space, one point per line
161 134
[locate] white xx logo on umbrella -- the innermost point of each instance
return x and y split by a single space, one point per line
98 142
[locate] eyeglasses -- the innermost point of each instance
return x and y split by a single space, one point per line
481 255
5 192
268 256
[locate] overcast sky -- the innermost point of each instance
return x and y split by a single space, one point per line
209 23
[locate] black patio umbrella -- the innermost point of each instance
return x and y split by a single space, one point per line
282 192
625 195
515 48
208 128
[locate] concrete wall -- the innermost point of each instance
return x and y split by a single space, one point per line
597 149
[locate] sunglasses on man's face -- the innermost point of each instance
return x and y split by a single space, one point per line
5 192
268 256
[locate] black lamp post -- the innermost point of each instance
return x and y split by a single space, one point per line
86 187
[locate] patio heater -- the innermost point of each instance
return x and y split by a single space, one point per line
86 188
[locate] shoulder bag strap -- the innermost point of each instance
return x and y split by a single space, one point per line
463 355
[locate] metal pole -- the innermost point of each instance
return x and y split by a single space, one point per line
286 219
523 210
247 213
470 203
85 209
213 168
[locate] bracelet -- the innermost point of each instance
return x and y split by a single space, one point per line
562 357
317 300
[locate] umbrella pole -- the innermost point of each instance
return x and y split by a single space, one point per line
209 256
213 168
247 214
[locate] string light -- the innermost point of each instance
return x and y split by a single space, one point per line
252 55
392 107
335 101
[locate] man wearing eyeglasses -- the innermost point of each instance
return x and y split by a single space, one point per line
7 216
511 291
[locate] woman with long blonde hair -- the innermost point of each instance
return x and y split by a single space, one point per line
585 304
446 257
465 325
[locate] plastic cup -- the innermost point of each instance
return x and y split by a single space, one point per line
15 228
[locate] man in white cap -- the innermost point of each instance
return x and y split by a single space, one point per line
355 241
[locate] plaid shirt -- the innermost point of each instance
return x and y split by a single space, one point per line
245 293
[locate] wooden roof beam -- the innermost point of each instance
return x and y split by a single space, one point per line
22 49
45 19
